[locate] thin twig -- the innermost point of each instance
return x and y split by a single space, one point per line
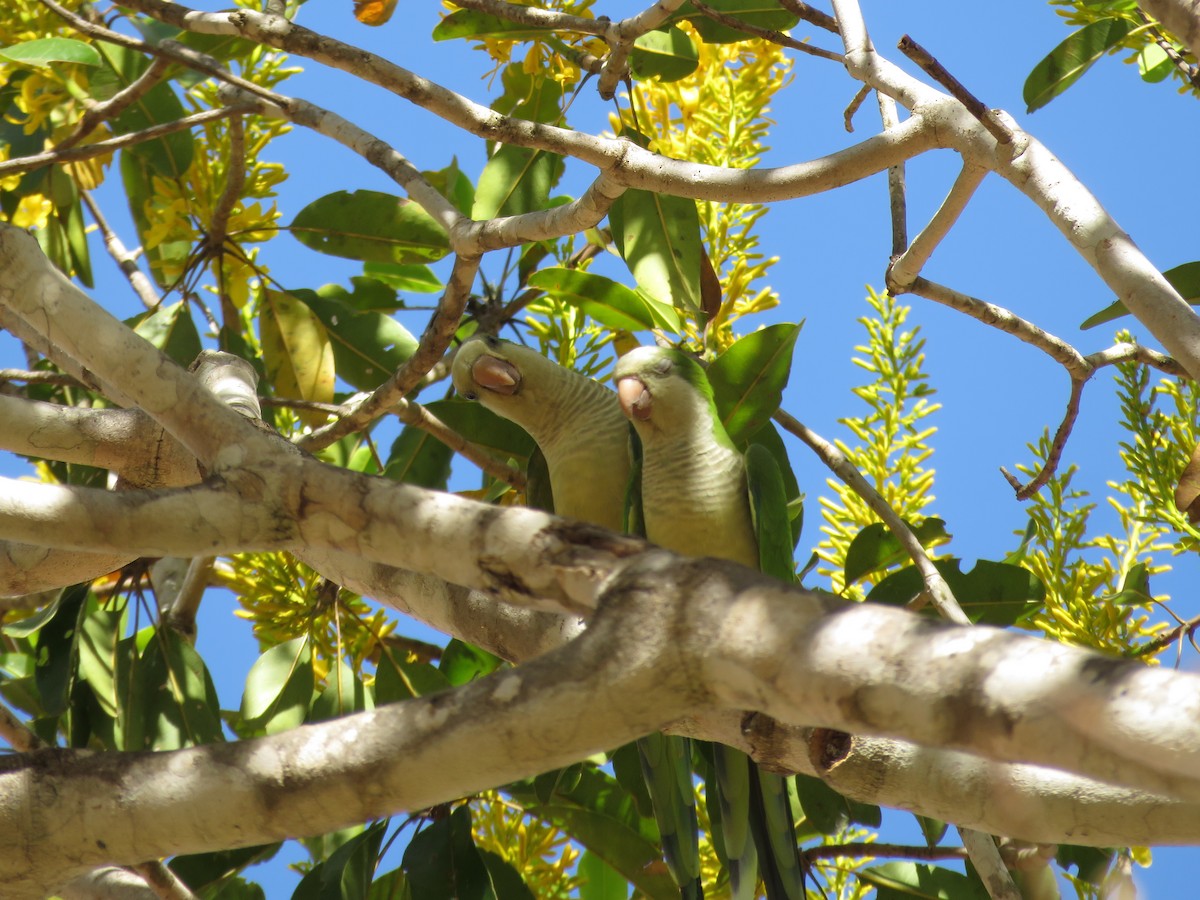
810 15
235 178
412 413
181 616
898 202
537 18
96 113
998 317
939 592
438 334
126 261
1188 71
1054 456
166 49
164 883
853 106
766 34
865 850
36 376
1180 631
935 70
17 733
99 148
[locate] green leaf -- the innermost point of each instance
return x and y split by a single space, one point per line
1184 278
905 881
627 768
485 429
169 156
992 593
768 437
659 238
171 329
44 51
419 458
32 624
181 707
199 870
99 634
297 351
1091 863
763 13
1154 65
55 650
602 816
769 510
279 687
1135 588
343 694
600 880
667 54
454 185
442 862
1064 65
398 679
506 880
608 302
465 23
515 180
748 379
367 346
932 829
876 548
462 662
346 874
416 279
372 227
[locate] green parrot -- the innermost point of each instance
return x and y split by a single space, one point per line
703 497
586 440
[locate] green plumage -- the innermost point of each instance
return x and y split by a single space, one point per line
589 452
702 497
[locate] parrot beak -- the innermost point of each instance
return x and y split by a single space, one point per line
496 375
634 397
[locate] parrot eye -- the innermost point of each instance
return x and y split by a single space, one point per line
471 395
491 340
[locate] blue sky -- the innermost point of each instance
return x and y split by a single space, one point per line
1132 143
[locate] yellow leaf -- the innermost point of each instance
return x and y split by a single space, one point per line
297 352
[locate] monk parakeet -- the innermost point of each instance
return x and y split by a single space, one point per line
703 497
585 438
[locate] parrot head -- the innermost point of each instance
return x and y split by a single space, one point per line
662 389
488 369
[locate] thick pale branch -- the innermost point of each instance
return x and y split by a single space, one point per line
581 699
77 333
626 163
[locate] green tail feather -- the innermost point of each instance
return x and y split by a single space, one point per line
775 836
667 768
731 769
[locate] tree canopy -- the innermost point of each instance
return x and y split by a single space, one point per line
229 377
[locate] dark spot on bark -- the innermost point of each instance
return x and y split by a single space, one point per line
101 844
1104 670
503 579
826 747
